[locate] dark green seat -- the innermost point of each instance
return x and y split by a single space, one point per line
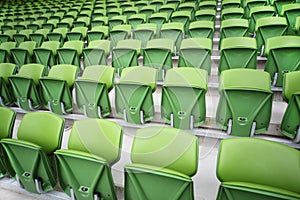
6 70
92 91
82 21
99 21
117 20
47 53
243 48
174 31
268 27
128 11
84 169
163 162
252 168
97 33
159 19
148 11
232 13
57 87
259 12
211 5
282 57
136 19
133 94
195 52
25 86
39 36
158 55
167 8
22 36
70 53
5 54
205 14
31 155
249 4
23 53
65 23
290 122
96 53
126 54
278 4
182 17
201 29
144 33
7 36
290 12
230 4
58 34
7 117
119 32
183 97
245 102
51 24
77 33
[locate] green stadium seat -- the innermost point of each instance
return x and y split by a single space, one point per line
159 19
259 12
23 53
47 53
232 13
211 5
148 11
119 32
231 4
144 33
201 29
96 53
70 53
58 34
99 21
174 31
290 12
167 8
130 11
117 20
39 36
183 17
7 36
65 23
97 33
77 33
249 4
51 24
136 19
278 4
22 36
6 70
157 3
5 54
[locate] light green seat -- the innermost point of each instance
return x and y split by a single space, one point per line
148 11
65 23
99 21
233 28
35 25
92 91
77 33
268 27
5 54
205 14
31 155
21 26
58 34
7 36
47 53
145 32
159 19
23 53
183 97
133 94
163 161
183 17
158 55
128 11
84 169
119 32
195 52
290 12
140 4
174 2
157 3
201 29
126 54
249 4
212 5
25 86
7 117
51 24
97 33
245 102
282 57
117 20
189 6
290 122
232 13
22 36
39 36
279 4
136 19
259 12
82 22
6 70
167 8
243 48
70 53
252 168
57 87
96 53
174 31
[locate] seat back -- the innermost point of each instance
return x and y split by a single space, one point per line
174 31
243 47
119 32
5 55
6 70
57 86
84 169
70 53
25 86
165 156
46 54
133 97
256 168
92 91
290 122
283 57
183 97
23 54
201 29
144 33
259 12
31 155
195 52
245 102
96 53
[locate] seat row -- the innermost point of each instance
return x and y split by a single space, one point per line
183 102
165 156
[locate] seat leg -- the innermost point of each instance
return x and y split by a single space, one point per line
229 126
172 119
38 186
63 108
18 181
49 105
30 104
275 79
142 117
96 197
1 102
125 115
72 194
191 122
252 129
99 112
297 138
